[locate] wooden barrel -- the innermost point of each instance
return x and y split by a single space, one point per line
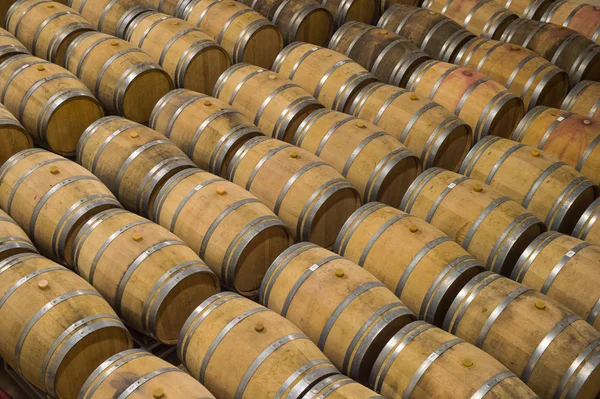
10 45
13 240
350 321
207 130
274 104
52 104
47 28
190 56
584 99
166 6
567 270
13 136
343 11
387 4
493 228
570 137
551 349
56 328
485 18
340 387
231 230
135 162
138 374
331 77
298 20
581 17
245 34
311 197
51 197
565 48
374 162
437 35
424 361
110 16
147 274
125 79
419 263
389 57
427 129
483 103
552 190
530 9
587 227
521 71
264 354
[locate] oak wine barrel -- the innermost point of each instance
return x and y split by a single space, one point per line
588 226
166 6
343 11
530 9
56 328
426 128
273 103
389 57
110 16
131 159
340 387
552 350
51 103
350 321
331 77
422 266
137 374
584 99
125 79
10 46
147 274
493 228
581 17
207 130
51 198
230 229
374 162
570 137
387 4
552 190
239 349
13 240
311 197
483 103
13 136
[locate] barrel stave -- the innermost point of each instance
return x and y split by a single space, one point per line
13 240
10 46
581 17
584 99
587 227
13 136
340 387
109 16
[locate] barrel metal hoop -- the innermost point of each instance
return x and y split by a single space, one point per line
352 224
588 151
491 383
326 76
413 119
17 259
186 58
382 169
288 185
594 313
261 162
415 188
472 12
560 265
242 83
12 11
300 388
221 34
177 113
88 228
289 113
500 162
438 201
186 199
440 80
344 92
329 133
36 86
83 57
531 253
42 26
481 218
141 381
110 62
587 220
131 158
150 27
269 98
245 35
566 198
476 153
583 374
25 279
518 68
538 182
436 139
508 237
526 122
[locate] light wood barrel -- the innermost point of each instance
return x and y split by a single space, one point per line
340 387
530 9
46 27
148 275
485 18
135 162
298 20
552 190
387 4
52 104
273 103
584 99
423 361
207 130
551 349
137 374
239 349
51 198
329 76
245 34
587 227
389 57
125 79
437 35
567 270
311 197
166 6
190 56
581 17
426 128
13 240
422 266
343 11
350 321
13 136
483 103
493 228
56 328
10 45
565 48
570 137
110 16
232 231
374 162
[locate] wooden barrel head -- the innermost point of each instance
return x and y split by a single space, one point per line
316 26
